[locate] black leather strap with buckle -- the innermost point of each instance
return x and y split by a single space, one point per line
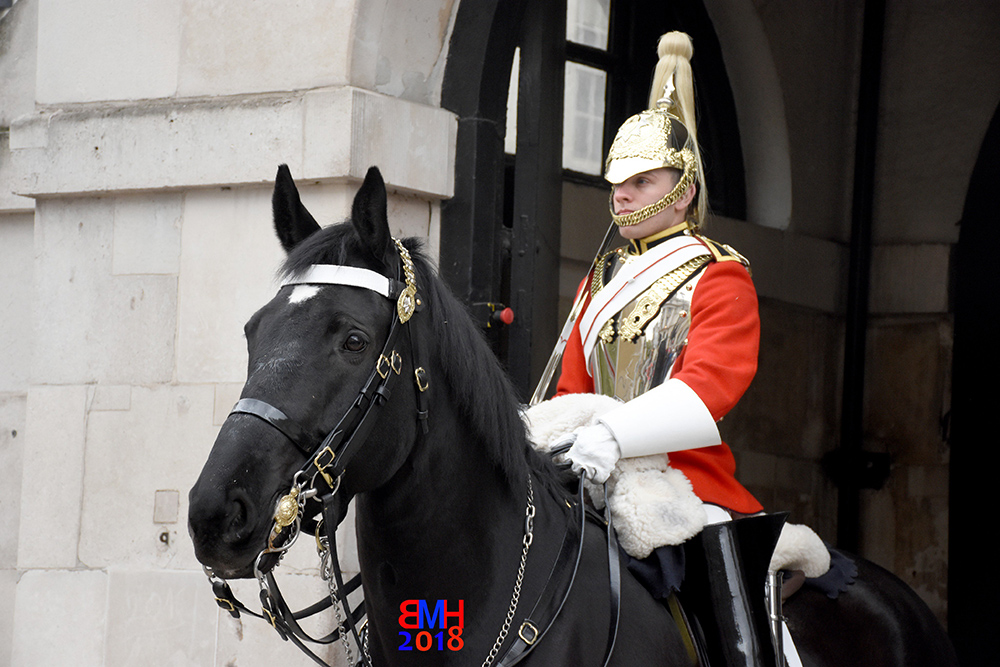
555 592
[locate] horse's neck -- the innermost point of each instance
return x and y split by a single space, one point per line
447 521
448 499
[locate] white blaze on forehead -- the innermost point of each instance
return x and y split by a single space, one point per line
303 293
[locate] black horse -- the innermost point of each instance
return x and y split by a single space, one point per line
441 514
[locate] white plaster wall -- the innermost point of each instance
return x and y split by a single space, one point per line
50 521
400 47
10 202
92 325
69 605
249 46
324 135
12 415
16 254
107 50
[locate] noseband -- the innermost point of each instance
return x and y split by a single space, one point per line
329 459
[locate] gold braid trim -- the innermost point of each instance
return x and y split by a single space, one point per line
648 305
601 266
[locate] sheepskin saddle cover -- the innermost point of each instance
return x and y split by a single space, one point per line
652 504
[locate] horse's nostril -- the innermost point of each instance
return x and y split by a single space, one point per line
238 523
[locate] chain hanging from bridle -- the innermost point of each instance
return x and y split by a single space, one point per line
338 600
529 533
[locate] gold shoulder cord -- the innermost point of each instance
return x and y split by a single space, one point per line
649 303
601 267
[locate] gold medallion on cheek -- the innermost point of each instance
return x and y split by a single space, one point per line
287 510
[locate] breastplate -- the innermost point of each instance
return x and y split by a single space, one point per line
638 347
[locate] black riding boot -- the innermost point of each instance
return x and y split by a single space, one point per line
726 569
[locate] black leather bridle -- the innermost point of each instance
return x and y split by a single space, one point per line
330 458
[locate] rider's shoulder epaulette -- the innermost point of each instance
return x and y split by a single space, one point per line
722 252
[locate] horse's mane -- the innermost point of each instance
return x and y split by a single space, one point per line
476 383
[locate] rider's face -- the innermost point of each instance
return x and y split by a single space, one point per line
646 188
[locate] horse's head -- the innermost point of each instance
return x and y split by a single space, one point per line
312 349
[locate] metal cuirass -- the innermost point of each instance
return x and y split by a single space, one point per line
638 347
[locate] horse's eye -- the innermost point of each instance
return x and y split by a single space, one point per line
355 343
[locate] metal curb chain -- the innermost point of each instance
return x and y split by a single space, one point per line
529 516
326 572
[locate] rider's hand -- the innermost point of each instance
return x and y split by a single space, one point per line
594 453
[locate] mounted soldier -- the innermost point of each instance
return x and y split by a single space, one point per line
668 326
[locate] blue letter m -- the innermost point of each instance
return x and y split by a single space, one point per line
435 621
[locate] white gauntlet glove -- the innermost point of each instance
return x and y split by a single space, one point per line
667 418
594 452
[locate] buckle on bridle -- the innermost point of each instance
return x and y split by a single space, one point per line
420 375
393 362
528 633
321 467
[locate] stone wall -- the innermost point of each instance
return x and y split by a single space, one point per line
135 241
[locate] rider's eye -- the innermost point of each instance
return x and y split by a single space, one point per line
355 343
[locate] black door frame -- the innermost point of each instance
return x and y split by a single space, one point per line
973 614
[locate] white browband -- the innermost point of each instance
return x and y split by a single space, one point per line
332 274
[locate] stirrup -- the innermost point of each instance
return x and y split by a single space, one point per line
725 557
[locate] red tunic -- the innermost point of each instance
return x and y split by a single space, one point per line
718 363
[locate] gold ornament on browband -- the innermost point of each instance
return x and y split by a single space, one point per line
669 199
406 304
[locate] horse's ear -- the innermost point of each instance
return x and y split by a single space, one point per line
292 221
370 216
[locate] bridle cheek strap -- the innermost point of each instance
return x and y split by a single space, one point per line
330 459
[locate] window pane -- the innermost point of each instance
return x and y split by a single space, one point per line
587 22
583 118
510 137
